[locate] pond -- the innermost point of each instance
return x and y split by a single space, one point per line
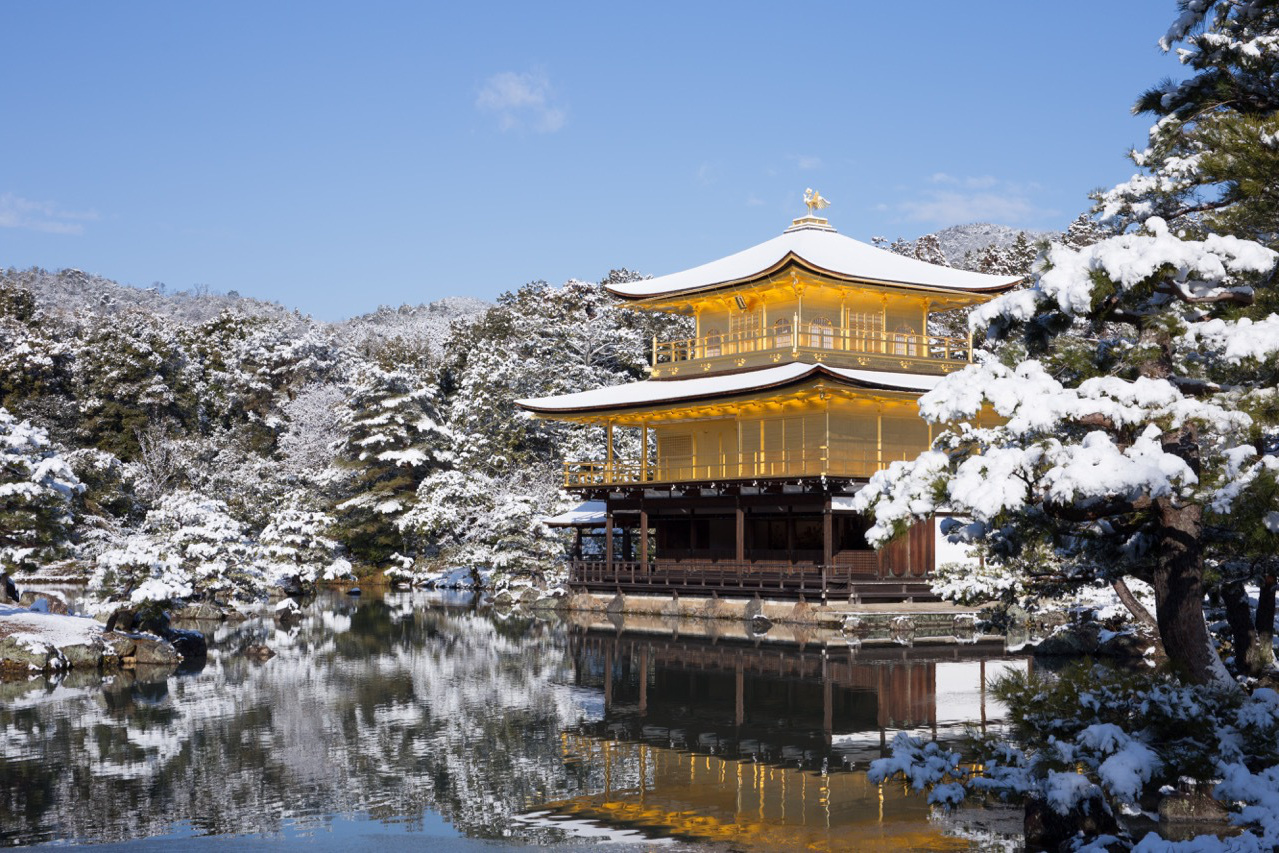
411 717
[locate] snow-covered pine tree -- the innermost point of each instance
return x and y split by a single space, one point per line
392 440
36 490
1083 230
480 521
1212 162
1140 432
297 547
1126 451
928 249
188 547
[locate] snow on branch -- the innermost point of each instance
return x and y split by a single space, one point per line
1193 270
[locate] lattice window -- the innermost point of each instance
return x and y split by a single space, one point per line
905 342
743 329
675 456
714 342
865 331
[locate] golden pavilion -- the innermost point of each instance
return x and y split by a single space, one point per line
802 379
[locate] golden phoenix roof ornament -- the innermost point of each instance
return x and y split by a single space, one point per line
815 202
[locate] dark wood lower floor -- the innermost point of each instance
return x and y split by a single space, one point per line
788 540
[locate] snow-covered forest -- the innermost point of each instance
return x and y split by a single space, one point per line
177 445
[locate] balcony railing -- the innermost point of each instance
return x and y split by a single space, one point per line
815 338
857 461
869 577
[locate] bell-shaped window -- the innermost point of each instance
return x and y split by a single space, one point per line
821 333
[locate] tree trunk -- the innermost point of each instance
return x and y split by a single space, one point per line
1247 641
1135 607
1266 620
1178 582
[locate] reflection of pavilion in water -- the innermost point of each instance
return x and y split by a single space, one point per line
768 747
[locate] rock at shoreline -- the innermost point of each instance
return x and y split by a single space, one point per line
44 602
190 645
199 612
34 640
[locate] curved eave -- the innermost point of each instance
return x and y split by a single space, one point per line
815 371
798 260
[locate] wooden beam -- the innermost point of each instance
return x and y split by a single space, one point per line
828 538
740 514
608 441
644 451
643 537
608 539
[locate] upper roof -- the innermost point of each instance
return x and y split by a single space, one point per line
650 392
814 244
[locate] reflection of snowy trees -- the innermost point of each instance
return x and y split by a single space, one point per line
378 708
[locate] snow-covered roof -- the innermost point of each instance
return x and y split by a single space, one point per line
826 251
588 514
650 391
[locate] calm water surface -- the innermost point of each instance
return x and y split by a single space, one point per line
409 720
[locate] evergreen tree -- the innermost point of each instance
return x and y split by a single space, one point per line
297 546
1212 163
36 490
928 249
392 440
1123 445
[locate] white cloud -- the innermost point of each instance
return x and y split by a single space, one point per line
807 162
18 212
522 101
753 200
952 200
980 182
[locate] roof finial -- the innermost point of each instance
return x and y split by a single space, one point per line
815 202
812 221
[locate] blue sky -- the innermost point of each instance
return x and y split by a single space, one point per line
336 157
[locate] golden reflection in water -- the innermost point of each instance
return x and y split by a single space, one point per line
749 805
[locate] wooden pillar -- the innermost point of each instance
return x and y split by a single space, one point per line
627 553
608 465
828 534
608 539
643 535
577 543
644 452
879 438
740 513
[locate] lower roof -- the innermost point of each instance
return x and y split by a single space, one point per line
651 392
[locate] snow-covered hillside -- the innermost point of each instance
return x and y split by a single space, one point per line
958 240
